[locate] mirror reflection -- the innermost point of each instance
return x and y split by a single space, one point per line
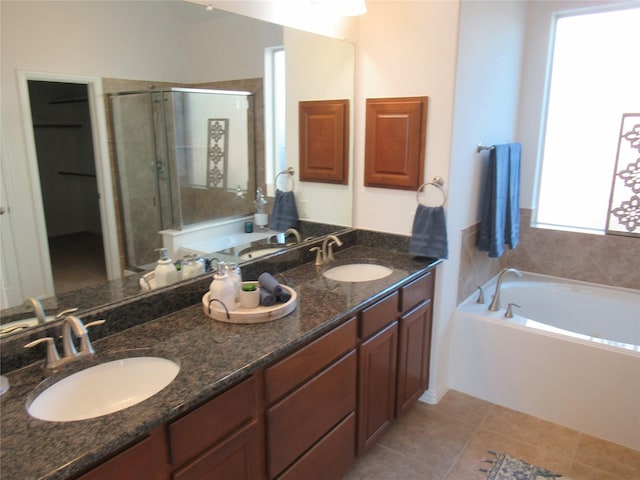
221 49
186 153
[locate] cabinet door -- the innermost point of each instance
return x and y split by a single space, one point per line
146 460
376 385
414 349
238 458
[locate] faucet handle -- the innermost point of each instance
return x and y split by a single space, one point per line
509 312
318 251
66 312
480 295
95 323
52 352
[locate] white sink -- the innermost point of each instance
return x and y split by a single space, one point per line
358 272
257 253
103 389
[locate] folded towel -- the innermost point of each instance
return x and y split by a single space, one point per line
429 233
267 298
284 214
500 221
271 285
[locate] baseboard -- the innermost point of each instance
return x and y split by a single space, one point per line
434 395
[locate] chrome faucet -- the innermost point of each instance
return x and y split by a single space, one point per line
495 303
37 308
293 232
327 247
71 326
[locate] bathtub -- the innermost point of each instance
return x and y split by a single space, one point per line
570 354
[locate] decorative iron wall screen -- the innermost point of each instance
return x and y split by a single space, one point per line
623 217
217 152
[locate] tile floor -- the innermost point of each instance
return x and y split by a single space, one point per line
449 441
77 261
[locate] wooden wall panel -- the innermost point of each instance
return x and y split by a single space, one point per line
396 134
324 141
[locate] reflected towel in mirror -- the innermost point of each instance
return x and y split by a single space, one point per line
285 213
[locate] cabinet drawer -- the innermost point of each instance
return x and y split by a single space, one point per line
417 291
378 315
331 458
206 425
237 458
287 374
302 418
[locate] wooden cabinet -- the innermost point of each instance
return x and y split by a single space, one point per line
377 385
393 357
305 416
308 424
414 341
146 460
221 439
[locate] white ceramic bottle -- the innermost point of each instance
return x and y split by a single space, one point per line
222 288
165 271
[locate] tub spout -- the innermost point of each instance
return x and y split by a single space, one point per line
495 303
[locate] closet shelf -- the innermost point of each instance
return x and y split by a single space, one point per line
77 174
57 125
68 100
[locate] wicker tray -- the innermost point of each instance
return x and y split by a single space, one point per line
259 314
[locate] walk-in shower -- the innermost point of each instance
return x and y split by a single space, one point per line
182 156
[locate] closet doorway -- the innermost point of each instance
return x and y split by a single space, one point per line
64 144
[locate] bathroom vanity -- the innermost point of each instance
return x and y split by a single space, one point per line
298 397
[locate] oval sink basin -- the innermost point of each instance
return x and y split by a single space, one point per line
259 252
103 389
358 272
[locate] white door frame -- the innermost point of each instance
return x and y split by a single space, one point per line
103 170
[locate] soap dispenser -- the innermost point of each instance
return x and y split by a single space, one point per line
260 218
165 271
222 288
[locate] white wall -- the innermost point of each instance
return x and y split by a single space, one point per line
466 58
328 76
133 40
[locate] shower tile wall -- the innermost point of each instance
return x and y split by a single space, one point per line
605 259
193 204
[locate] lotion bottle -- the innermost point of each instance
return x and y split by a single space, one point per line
222 288
165 271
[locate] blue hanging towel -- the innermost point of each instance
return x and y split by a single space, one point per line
500 221
429 233
285 213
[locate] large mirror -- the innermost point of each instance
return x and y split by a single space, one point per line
161 45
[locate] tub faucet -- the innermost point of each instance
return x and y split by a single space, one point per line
37 308
495 303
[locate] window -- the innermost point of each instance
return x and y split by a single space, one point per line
274 108
594 79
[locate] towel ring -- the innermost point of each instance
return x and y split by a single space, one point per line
289 172
437 182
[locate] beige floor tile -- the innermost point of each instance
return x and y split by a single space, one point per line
429 437
462 407
556 439
381 463
444 442
609 457
580 471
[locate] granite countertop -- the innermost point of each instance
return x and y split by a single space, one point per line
212 356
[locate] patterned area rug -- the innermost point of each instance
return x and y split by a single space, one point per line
510 468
